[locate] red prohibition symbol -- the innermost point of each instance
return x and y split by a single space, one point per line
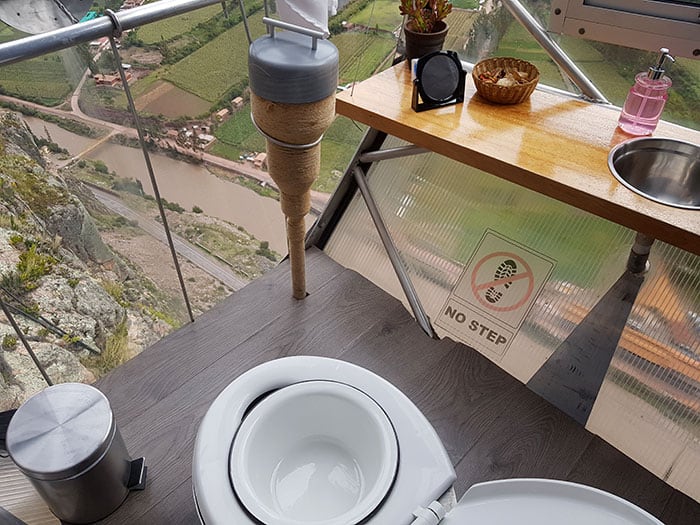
491 289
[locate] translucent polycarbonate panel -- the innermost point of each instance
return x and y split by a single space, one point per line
450 221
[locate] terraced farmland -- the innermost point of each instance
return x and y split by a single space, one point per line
361 53
169 28
215 68
40 79
460 22
381 14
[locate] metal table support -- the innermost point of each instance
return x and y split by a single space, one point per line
354 179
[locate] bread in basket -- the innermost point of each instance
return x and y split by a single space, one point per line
505 80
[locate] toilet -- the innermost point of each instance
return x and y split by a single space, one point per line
317 441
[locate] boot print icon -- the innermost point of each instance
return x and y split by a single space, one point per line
506 269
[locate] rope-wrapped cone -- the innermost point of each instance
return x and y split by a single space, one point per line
294 170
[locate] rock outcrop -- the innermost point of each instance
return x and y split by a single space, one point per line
62 282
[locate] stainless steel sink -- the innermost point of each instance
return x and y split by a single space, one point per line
663 170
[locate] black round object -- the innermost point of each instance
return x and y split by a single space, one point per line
440 78
439 81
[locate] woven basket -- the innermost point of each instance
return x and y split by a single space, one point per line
505 94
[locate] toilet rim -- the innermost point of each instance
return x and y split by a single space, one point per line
379 472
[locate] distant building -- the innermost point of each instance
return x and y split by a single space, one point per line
221 114
172 133
237 103
128 4
204 140
111 79
99 42
260 161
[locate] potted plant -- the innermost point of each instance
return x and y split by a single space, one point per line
425 27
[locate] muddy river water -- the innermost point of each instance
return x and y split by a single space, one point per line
184 183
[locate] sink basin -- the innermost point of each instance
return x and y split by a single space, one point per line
663 170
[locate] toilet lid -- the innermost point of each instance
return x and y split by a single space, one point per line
543 502
315 452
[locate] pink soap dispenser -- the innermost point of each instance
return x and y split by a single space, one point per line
646 99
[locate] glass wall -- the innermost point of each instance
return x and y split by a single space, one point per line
459 229
82 260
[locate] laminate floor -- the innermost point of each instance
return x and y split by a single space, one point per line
492 425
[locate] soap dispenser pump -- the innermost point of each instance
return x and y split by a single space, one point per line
646 99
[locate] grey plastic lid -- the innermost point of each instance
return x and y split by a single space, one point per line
285 68
61 431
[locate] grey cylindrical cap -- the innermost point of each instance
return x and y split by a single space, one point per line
285 68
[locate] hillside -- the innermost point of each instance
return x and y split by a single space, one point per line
93 308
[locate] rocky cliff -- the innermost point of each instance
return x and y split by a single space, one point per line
77 303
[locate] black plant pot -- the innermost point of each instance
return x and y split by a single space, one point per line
420 44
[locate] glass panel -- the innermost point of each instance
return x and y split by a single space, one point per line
438 211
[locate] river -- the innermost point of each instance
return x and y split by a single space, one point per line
184 183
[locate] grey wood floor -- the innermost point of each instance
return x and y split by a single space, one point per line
492 426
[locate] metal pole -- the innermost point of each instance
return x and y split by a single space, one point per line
37 45
137 122
578 77
244 17
394 257
392 153
25 342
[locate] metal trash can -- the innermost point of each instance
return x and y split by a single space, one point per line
66 441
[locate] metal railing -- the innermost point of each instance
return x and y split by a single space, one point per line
65 37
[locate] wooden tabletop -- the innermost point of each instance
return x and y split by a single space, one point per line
552 144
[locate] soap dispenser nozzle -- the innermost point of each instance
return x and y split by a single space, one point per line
657 71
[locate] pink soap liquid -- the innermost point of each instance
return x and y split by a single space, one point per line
645 102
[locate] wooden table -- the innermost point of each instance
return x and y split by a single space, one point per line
552 144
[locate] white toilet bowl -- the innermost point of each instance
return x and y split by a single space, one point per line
424 470
317 441
314 452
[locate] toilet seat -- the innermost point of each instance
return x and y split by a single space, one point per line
424 473
535 501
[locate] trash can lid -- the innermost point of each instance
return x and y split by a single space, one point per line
286 69
61 431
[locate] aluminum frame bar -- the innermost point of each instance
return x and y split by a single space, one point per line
392 153
37 45
393 253
578 77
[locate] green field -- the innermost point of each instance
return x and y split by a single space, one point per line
41 79
465 4
460 22
164 30
361 54
238 135
215 68
381 14
384 14
518 43
338 146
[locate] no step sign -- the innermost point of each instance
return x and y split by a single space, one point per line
494 293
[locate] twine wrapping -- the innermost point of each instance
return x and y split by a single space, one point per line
294 170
